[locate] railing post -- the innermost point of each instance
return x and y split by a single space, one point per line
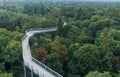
24 70
38 73
32 71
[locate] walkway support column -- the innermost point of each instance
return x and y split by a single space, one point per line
24 70
31 73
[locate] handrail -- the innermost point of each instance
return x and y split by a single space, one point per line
35 29
24 37
46 68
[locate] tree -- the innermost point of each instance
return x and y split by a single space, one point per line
56 11
61 50
19 20
28 9
53 62
109 47
63 40
6 75
72 48
12 51
84 55
60 27
88 58
115 34
40 53
106 42
98 24
85 36
44 42
115 49
6 16
79 13
118 75
74 33
4 32
16 35
80 35
3 41
98 74
12 56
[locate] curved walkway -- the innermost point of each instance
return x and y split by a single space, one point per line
34 65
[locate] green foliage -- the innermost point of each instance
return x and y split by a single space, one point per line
16 35
105 42
74 33
40 53
89 42
63 40
2 66
6 75
60 27
44 42
12 51
72 48
116 42
53 62
109 45
61 50
3 41
98 74
89 58
118 75
115 34
81 36
84 55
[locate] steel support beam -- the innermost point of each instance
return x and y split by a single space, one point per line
31 73
24 70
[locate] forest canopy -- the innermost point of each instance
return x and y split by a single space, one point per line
89 46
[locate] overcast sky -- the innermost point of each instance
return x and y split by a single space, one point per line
93 0
86 0
61 0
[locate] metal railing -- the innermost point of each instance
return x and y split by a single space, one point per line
34 70
24 37
38 29
46 68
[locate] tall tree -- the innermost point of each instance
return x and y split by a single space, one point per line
12 55
105 42
60 27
